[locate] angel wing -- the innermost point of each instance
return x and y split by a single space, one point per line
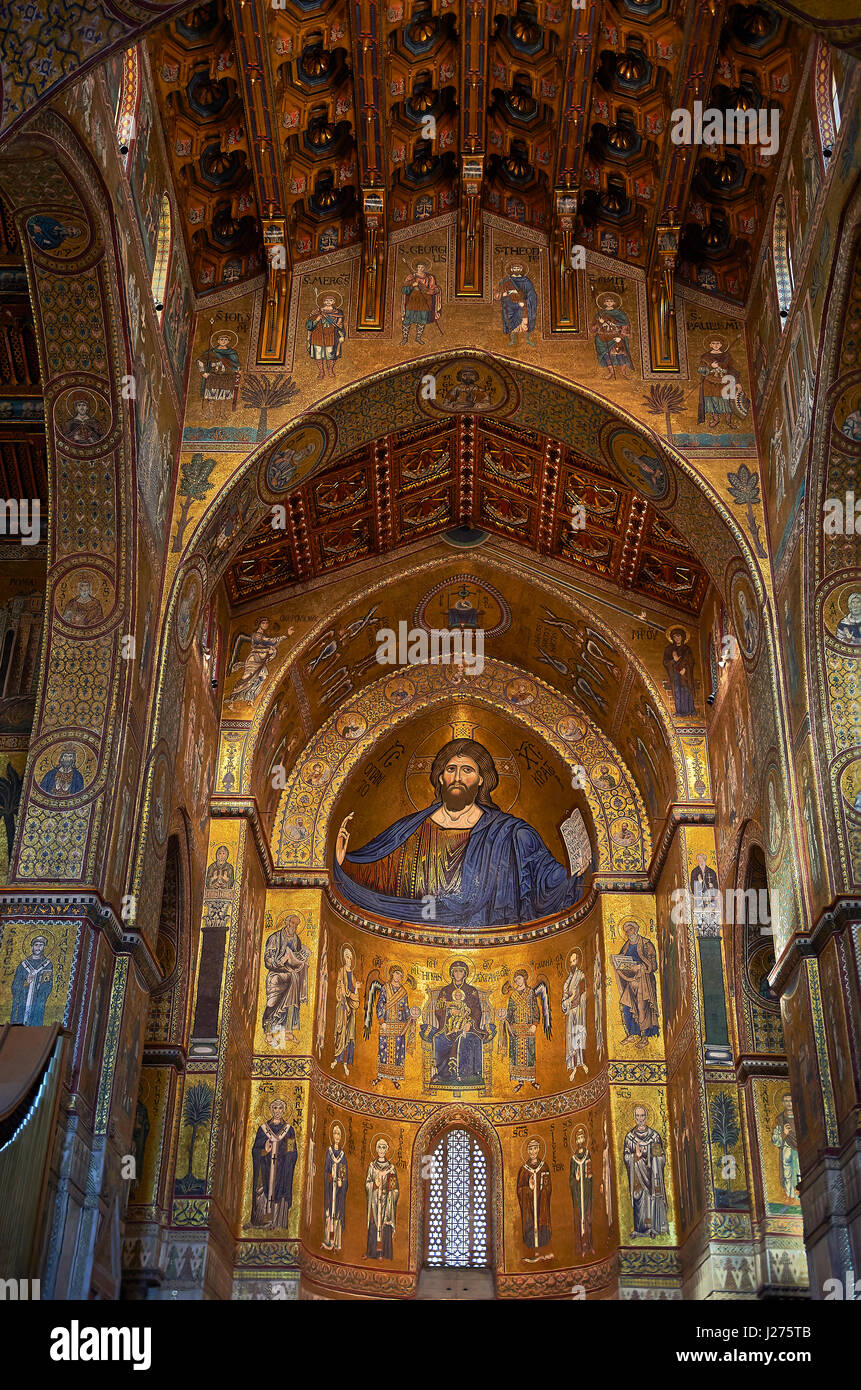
373 988
506 988
542 994
237 643
411 982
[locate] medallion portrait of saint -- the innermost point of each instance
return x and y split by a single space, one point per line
478 865
66 778
84 609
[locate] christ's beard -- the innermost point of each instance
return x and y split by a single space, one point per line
456 797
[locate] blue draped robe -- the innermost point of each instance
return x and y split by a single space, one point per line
508 876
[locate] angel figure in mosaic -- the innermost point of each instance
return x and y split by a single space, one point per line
527 1006
397 1020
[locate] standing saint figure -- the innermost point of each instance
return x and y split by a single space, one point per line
256 666
705 891
31 984
422 301
783 1138
580 1182
274 1155
612 329
527 1006
533 1194
721 398
381 1185
219 370
635 967
286 960
643 1156
679 666
335 1178
519 302
326 332
220 875
346 1007
397 1021
574 1009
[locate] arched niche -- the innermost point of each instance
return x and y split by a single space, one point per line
305 822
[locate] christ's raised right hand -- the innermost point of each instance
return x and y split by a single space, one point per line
343 839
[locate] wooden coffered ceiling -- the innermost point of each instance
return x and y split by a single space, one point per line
291 112
487 475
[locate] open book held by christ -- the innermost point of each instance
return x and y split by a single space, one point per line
462 862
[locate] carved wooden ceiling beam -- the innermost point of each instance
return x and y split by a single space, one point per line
475 48
696 70
583 30
254 72
366 40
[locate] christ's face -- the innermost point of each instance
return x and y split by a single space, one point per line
460 783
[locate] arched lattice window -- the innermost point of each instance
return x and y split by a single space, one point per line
826 99
457 1230
162 256
783 267
127 103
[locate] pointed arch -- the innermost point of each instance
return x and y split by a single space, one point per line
826 99
783 268
128 104
161 265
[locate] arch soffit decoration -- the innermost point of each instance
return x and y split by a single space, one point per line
309 809
819 579
487 562
76 190
704 505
